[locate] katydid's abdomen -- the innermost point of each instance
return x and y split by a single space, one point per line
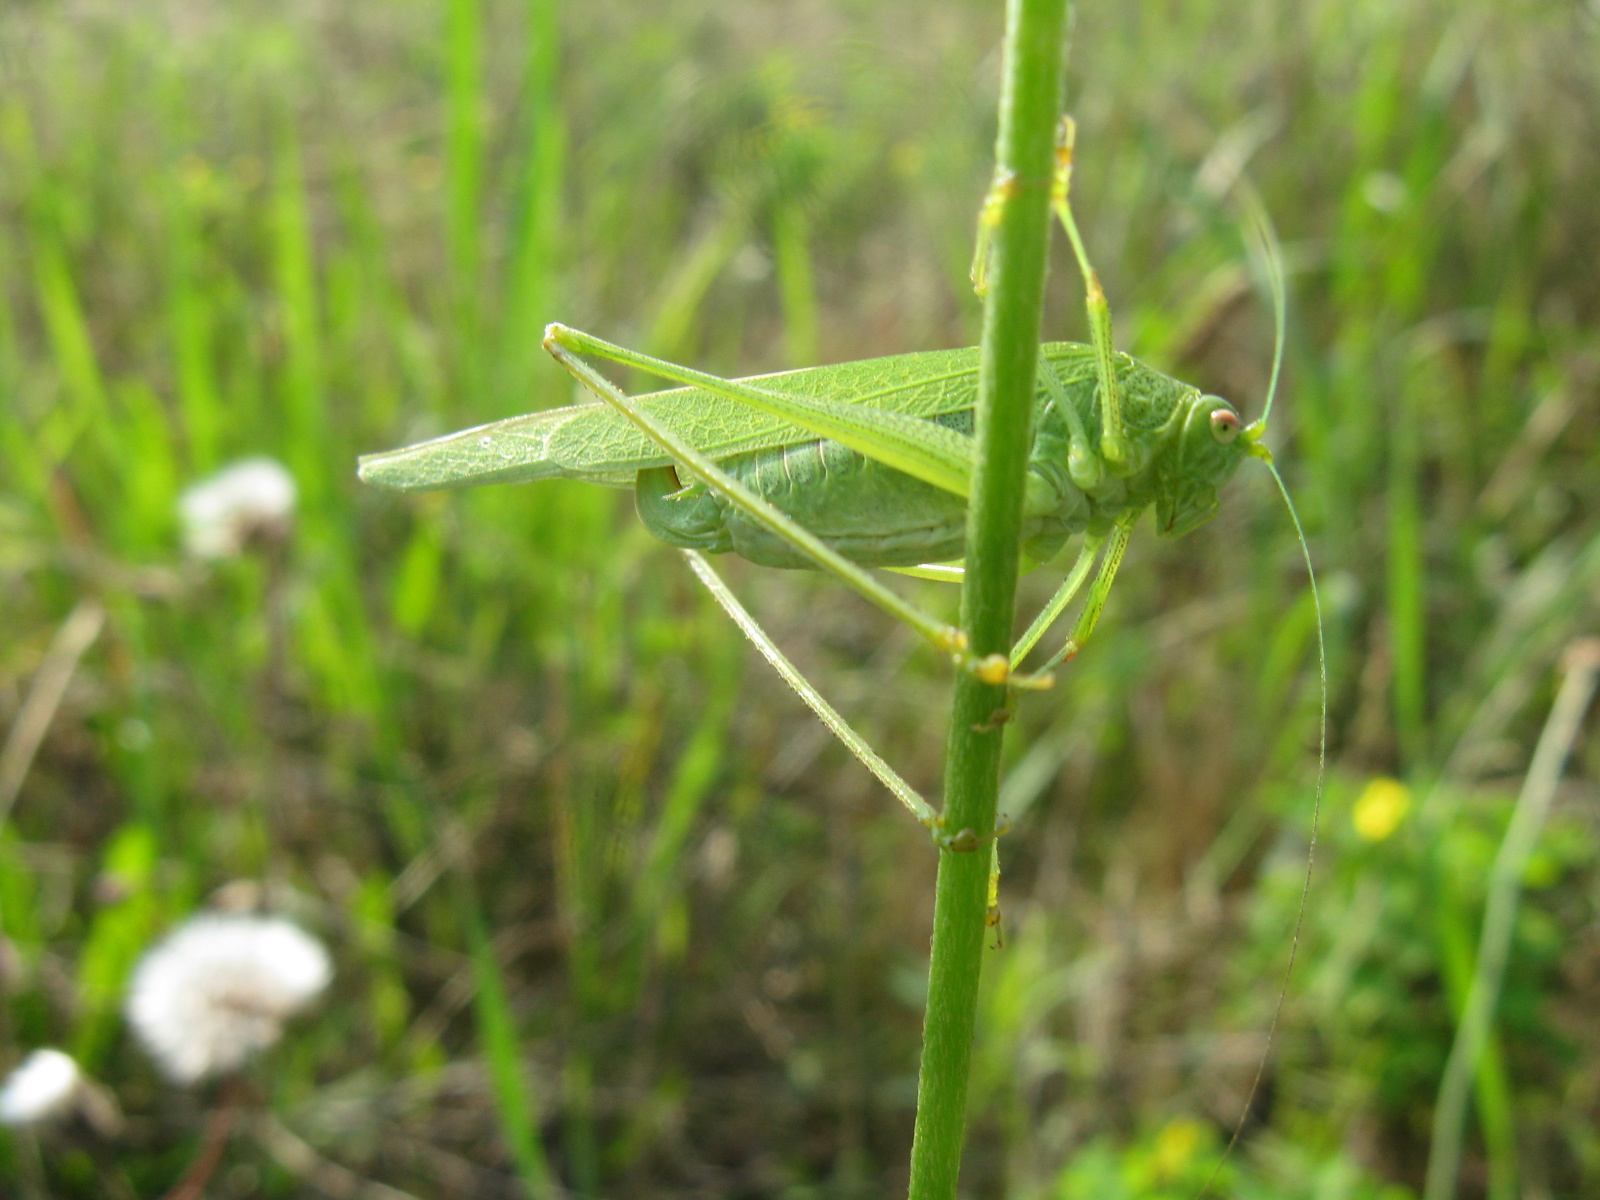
872 514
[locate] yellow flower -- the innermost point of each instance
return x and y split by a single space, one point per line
1382 806
1175 1146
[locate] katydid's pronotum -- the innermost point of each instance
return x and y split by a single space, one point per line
869 464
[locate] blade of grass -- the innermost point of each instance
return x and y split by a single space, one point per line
575 868
49 685
1491 1087
56 294
409 365
188 313
697 768
1405 585
1500 913
69 331
497 1038
531 287
10 367
791 244
1030 101
294 272
464 113
118 934
145 513
686 287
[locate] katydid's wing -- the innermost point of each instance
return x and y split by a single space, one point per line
594 442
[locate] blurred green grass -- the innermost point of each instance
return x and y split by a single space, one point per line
530 785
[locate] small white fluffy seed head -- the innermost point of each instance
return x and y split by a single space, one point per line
46 1086
219 989
251 498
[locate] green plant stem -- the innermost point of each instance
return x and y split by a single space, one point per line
1030 102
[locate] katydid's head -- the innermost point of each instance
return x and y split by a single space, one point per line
1211 441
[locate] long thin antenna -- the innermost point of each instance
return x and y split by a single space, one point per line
1311 847
1262 241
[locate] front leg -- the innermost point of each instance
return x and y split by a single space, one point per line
1064 594
1113 440
1096 602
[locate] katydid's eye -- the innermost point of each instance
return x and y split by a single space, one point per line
1224 425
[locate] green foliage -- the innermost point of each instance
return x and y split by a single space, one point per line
124 927
1390 950
497 1035
1178 1161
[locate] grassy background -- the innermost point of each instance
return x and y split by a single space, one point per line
607 907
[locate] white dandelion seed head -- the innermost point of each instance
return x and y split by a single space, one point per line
44 1087
219 989
221 514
